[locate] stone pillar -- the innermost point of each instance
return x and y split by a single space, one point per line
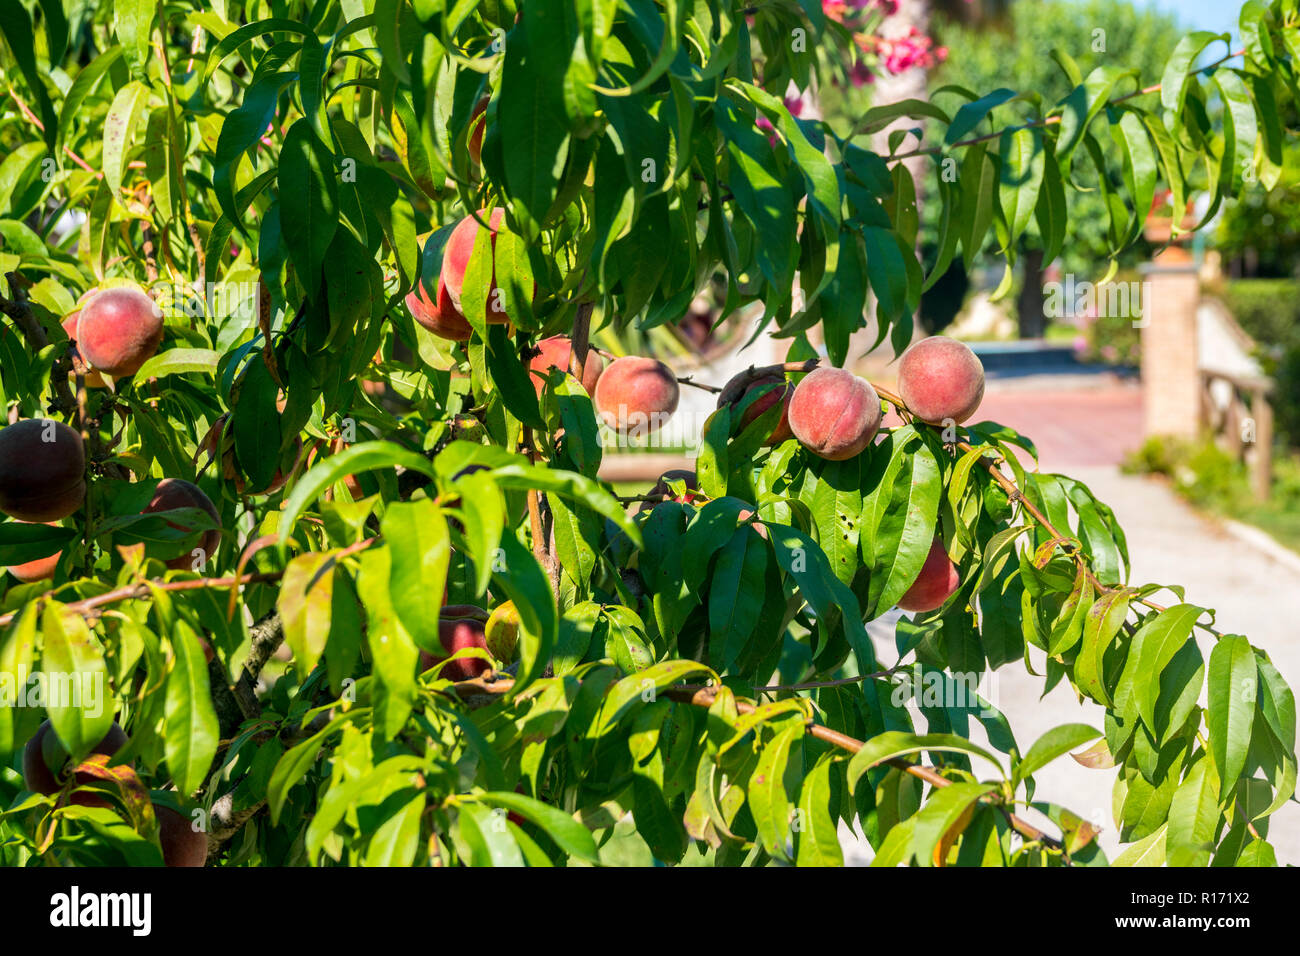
1171 387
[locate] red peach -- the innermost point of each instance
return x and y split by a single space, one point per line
458 633
555 353
834 414
774 388
45 759
174 493
936 582
42 470
941 380
39 569
456 256
119 329
635 395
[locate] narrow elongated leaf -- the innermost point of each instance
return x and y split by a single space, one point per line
1055 743
190 729
1232 691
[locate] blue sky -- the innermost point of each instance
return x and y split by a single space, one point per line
1215 15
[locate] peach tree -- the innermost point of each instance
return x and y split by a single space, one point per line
309 557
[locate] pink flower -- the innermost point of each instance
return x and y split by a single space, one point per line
795 105
912 50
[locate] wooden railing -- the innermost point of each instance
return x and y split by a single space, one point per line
1238 414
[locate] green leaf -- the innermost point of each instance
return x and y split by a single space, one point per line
309 208
770 792
531 113
364 456
21 542
943 812
899 518
417 538
396 841
887 270
1054 743
1194 817
1023 161
818 837
1173 84
1231 713
735 592
1154 646
87 79
972 114
979 173
526 584
644 686
306 605
1257 853
661 828
570 835
1140 168
297 760
78 701
1240 129
1276 702
764 199
16 25
17 655
246 34
119 129
190 729
1149 851
896 743
133 22
180 362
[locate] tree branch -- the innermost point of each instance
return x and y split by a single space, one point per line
481 691
19 309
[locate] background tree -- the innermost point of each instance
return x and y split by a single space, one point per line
1112 36
282 368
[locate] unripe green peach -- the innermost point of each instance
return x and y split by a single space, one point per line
502 632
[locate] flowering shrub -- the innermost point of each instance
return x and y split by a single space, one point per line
872 50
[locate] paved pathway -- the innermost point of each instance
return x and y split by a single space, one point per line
1084 432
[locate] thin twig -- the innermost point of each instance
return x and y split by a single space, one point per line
483 691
